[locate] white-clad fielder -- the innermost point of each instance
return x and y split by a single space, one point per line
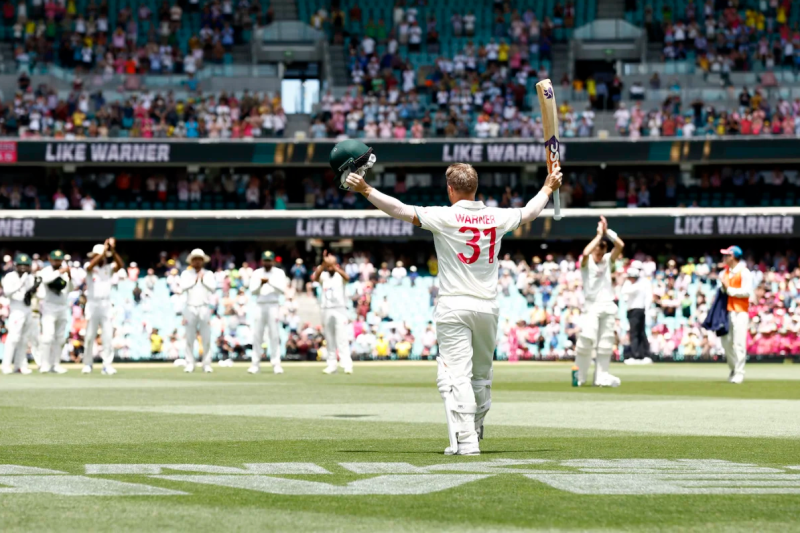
104 262
198 285
599 309
332 279
55 311
737 282
267 283
467 238
19 286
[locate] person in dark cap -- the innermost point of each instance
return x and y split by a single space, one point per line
267 284
19 287
56 312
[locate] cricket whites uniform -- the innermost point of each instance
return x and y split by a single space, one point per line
740 286
334 321
267 314
99 312
597 321
21 324
467 238
56 317
197 313
36 310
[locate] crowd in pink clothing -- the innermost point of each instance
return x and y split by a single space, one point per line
682 292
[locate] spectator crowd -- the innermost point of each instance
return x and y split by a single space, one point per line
178 38
36 113
544 327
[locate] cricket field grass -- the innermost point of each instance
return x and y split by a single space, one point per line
676 448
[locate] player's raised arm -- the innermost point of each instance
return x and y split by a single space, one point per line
538 202
96 258
388 204
594 243
619 245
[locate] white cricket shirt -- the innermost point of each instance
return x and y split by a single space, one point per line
268 293
638 294
198 294
467 238
15 286
51 297
332 290
99 282
598 290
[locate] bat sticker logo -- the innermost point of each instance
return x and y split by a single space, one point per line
554 156
548 93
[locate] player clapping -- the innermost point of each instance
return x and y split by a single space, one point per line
599 312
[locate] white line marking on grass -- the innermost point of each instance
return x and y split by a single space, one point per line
249 469
15 470
81 486
381 485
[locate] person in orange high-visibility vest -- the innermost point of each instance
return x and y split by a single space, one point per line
738 284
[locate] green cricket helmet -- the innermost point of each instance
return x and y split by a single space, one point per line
351 156
22 259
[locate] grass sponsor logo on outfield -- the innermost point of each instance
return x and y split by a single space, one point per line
579 476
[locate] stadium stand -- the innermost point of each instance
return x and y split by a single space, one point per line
129 37
172 189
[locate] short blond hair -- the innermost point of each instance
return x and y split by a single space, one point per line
462 177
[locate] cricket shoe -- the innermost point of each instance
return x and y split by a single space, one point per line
277 370
45 370
607 380
464 448
737 379
207 369
188 369
58 369
330 370
109 370
254 369
647 361
87 369
730 376
25 371
225 363
348 370
7 371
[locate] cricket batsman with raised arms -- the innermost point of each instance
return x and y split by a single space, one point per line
467 236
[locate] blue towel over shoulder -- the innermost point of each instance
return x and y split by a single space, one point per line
717 318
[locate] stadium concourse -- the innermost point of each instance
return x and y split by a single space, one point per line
391 304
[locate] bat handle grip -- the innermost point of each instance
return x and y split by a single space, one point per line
557 205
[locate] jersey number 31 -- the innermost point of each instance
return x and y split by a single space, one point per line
473 243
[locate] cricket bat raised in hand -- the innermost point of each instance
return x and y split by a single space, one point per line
547 102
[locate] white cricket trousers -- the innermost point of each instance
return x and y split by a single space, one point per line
266 328
55 321
597 334
334 324
198 320
467 341
735 342
98 315
22 328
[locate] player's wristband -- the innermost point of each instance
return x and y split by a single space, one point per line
611 234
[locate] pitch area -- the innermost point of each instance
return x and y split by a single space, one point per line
676 448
